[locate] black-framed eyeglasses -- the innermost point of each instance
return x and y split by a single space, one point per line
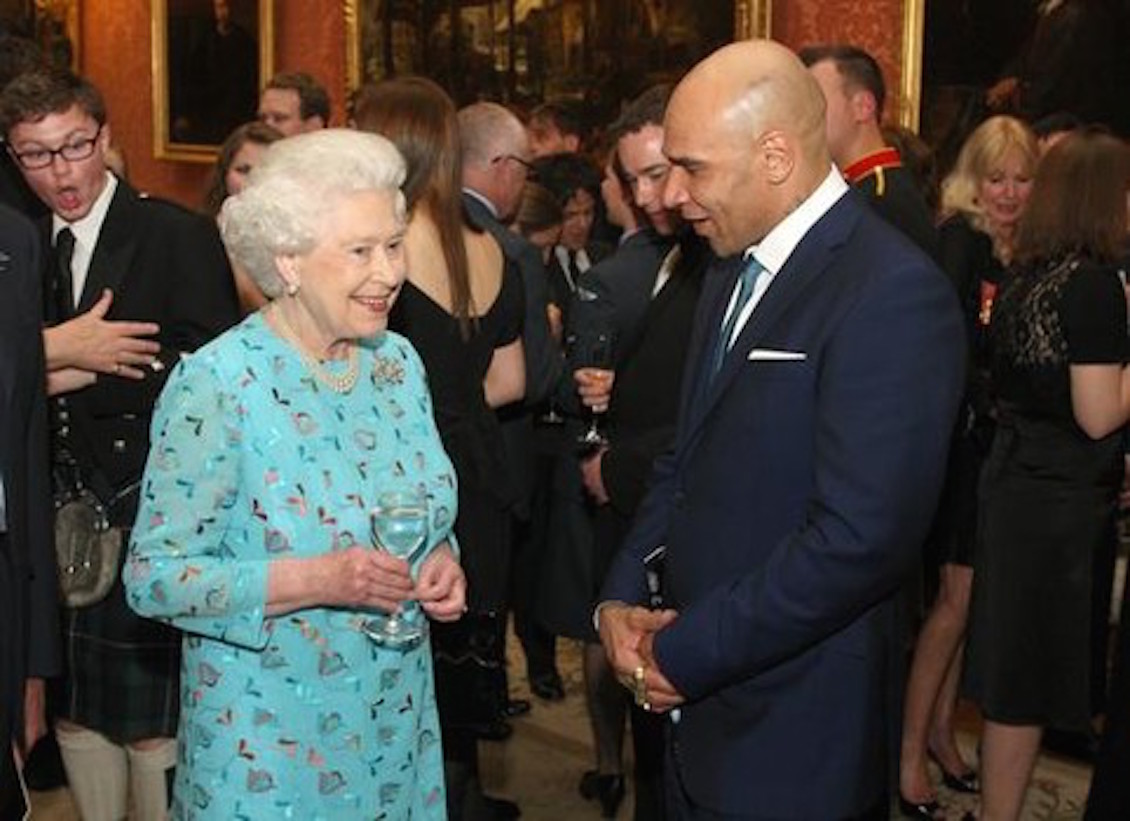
73 151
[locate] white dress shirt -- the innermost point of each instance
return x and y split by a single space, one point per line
778 245
86 231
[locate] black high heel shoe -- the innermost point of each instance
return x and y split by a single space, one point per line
926 810
966 782
607 789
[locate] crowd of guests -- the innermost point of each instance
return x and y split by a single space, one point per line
797 457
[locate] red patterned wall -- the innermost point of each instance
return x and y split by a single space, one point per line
116 49
876 26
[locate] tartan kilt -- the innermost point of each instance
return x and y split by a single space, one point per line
122 671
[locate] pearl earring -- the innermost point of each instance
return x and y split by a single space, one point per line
292 289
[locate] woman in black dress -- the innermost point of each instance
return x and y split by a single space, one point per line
462 309
982 201
1050 483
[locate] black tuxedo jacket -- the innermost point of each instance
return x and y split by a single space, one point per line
650 365
29 640
165 264
543 356
543 362
614 294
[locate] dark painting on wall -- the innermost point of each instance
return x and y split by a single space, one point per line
523 51
211 58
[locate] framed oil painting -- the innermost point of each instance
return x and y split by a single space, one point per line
210 58
524 51
56 26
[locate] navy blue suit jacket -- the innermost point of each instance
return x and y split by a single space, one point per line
795 499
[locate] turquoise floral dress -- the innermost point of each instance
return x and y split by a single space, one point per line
296 716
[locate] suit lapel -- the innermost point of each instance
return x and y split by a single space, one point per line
115 249
717 288
805 265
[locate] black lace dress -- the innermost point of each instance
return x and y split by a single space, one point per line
1047 497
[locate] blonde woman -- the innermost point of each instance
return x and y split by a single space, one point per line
982 202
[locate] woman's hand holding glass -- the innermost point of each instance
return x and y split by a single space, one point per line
365 578
399 524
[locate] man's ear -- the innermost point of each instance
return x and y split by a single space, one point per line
779 155
863 106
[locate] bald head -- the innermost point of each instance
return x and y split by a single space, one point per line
757 86
745 131
496 153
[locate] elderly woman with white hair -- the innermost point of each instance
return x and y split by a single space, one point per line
272 448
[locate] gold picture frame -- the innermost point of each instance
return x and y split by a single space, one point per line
757 19
207 73
913 34
368 25
752 18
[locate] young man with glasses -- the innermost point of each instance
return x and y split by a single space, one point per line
131 284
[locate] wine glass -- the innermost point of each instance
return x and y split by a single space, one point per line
399 526
597 355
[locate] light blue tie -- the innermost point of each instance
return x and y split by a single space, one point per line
746 280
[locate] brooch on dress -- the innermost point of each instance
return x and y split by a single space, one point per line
388 371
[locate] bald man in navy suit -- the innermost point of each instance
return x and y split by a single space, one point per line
823 378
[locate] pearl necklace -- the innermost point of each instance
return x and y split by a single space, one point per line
338 383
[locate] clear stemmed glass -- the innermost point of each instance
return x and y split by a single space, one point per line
399 526
598 355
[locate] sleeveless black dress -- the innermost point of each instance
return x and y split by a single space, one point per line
469 653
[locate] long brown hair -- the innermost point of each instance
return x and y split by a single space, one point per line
420 120
1078 200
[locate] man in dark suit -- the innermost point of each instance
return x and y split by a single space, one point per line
649 301
854 93
29 640
496 164
823 379
132 285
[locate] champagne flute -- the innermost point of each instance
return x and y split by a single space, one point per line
599 355
399 526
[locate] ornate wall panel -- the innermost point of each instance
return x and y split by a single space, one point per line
890 29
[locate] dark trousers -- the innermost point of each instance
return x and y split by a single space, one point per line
12 804
648 751
531 539
680 807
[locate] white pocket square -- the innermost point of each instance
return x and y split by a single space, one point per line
770 355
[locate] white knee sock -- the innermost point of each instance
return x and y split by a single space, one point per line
98 773
148 779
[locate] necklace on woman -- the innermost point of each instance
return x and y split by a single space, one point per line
336 382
